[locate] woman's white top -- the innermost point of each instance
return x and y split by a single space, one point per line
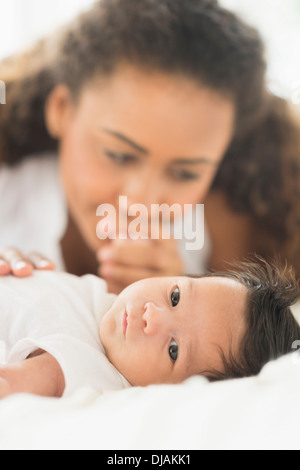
61 314
33 213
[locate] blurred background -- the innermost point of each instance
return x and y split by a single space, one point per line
24 21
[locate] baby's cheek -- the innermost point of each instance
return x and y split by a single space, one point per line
105 331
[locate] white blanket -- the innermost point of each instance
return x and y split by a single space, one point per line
257 413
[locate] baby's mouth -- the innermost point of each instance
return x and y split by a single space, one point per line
125 322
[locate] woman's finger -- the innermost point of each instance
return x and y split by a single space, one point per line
157 255
19 265
124 275
4 267
40 262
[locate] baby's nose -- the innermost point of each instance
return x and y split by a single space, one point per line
155 319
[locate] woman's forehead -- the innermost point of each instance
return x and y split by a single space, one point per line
161 113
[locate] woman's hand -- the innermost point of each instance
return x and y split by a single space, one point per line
126 261
12 261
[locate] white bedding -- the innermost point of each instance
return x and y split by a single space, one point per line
257 413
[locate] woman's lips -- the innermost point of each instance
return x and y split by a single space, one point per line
125 323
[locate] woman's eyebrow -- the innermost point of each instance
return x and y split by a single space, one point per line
195 161
127 140
143 150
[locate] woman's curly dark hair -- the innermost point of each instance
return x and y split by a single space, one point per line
194 38
260 176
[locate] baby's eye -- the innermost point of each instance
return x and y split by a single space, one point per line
175 297
173 350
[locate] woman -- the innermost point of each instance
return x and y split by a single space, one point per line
256 193
145 99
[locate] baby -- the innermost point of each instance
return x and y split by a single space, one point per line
60 332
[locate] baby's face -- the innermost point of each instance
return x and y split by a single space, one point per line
164 330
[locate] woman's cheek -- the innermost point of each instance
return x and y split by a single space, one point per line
90 183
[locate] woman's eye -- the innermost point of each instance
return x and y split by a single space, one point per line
175 297
120 158
173 350
182 175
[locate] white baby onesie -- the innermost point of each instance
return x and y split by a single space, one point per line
61 314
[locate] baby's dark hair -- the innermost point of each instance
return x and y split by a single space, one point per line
271 328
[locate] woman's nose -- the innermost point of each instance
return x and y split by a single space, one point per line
143 189
156 319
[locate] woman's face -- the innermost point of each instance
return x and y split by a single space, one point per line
152 137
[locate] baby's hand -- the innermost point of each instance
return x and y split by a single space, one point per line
12 261
5 388
40 374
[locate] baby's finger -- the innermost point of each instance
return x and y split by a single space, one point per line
40 262
20 266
